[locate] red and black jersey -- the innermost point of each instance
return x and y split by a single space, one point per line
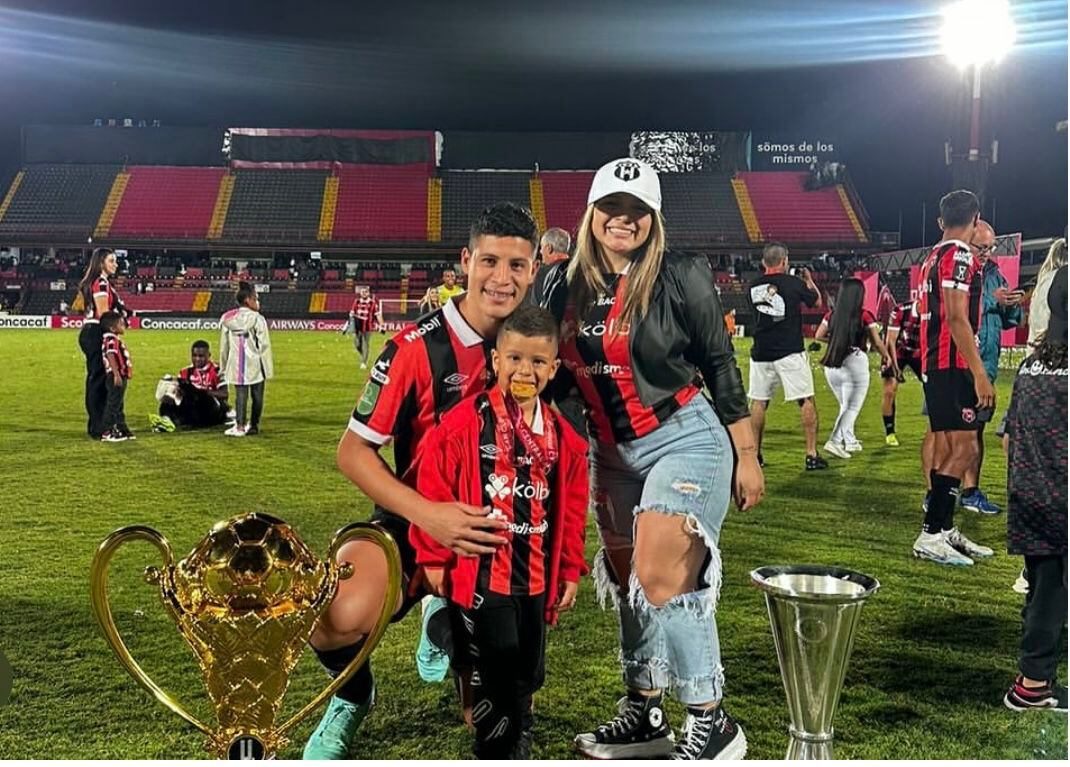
517 487
421 373
479 456
596 350
906 322
364 313
949 265
205 379
861 335
112 344
101 287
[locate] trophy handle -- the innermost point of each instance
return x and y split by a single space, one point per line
368 532
98 580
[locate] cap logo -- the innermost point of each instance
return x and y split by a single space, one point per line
626 170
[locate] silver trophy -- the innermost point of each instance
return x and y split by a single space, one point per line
813 610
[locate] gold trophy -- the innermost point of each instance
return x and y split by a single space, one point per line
245 600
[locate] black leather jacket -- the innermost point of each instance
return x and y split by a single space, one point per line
683 333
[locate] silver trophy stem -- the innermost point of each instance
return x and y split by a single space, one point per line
813 611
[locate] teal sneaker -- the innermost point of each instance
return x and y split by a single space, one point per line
431 660
337 728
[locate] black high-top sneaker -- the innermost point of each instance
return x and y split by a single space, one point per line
710 734
638 731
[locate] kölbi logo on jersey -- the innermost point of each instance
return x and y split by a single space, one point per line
498 488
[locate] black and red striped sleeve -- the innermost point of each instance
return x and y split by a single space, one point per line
388 400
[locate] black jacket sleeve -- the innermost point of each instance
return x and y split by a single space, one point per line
710 346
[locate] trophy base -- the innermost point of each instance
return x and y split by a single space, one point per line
799 749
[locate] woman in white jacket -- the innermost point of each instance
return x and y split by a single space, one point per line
245 356
1038 303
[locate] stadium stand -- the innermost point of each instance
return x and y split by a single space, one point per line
700 209
161 301
58 200
275 204
466 193
381 203
167 202
565 197
787 211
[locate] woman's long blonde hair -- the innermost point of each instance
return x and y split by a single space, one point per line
587 265
1056 258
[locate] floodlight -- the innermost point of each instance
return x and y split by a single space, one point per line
977 32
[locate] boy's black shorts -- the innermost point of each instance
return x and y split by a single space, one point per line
952 402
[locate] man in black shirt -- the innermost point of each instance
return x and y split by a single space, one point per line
777 355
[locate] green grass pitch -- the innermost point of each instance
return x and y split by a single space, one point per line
933 656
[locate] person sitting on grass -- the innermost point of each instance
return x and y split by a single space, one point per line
505 446
197 399
1035 441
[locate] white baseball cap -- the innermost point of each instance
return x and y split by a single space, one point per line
630 176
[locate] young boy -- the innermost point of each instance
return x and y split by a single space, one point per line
1035 441
504 450
117 371
246 359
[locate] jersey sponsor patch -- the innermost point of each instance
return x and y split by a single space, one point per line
368 398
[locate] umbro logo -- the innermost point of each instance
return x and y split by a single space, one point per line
489 451
455 380
626 170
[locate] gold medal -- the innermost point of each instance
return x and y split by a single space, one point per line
522 391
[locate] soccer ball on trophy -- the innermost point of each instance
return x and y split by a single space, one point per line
253 562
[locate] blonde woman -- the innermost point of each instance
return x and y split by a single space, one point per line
1038 305
642 332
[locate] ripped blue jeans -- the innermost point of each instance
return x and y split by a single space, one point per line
683 467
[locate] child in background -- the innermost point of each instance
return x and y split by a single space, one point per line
1035 441
506 451
246 359
117 371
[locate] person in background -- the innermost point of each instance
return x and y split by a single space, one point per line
449 287
554 246
1035 441
365 316
197 399
1038 302
246 358
117 372
99 297
848 328
777 355
1000 311
902 345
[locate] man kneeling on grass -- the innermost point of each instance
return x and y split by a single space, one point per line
196 399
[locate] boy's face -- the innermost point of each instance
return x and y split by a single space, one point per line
200 357
500 270
524 365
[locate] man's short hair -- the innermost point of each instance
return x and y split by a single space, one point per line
531 322
245 292
558 239
959 208
110 320
774 254
504 219
200 343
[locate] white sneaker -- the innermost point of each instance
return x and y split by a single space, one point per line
363 366
961 543
1021 585
934 547
232 414
833 449
235 431
852 446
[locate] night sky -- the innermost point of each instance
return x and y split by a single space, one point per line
867 76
